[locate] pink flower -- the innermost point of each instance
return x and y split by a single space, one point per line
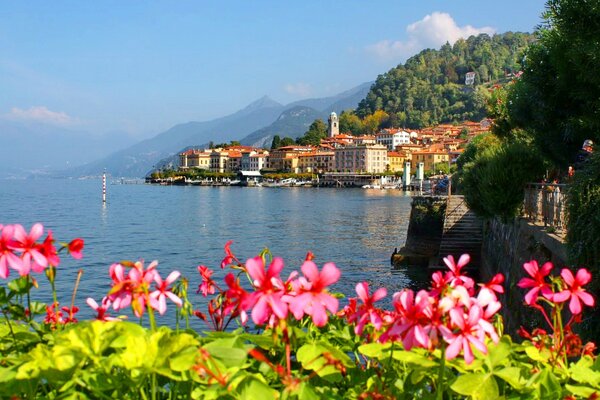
455 276
49 251
538 283
7 256
101 310
412 316
75 247
575 290
312 298
229 257
158 298
269 289
208 285
367 312
237 299
132 288
470 333
31 256
487 293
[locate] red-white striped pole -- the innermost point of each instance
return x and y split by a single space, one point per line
104 187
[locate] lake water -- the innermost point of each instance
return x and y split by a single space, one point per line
183 227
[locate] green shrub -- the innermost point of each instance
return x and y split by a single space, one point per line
493 182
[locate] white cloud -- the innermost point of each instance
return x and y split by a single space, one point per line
431 32
298 89
41 114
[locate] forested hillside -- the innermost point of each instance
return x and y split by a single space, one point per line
430 87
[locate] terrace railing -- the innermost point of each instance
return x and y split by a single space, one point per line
546 203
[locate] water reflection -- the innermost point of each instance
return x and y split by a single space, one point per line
184 227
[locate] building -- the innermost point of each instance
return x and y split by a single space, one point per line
369 158
253 160
391 138
316 162
334 127
430 158
286 158
396 160
194 159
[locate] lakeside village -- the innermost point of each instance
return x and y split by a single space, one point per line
391 159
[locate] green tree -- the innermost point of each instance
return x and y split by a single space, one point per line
287 141
351 123
557 99
276 143
316 131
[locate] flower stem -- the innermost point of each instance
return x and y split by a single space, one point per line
440 385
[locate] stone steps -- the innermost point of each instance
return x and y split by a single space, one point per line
462 233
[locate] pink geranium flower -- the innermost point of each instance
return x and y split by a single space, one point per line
575 291
49 251
455 276
312 298
470 333
412 316
101 310
75 247
7 256
158 298
25 242
229 257
367 312
538 284
208 285
266 301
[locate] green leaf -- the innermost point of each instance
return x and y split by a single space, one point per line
311 357
498 354
414 359
581 391
478 386
582 373
253 388
231 351
511 375
373 350
536 355
306 392
549 384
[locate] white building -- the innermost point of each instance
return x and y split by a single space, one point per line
392 138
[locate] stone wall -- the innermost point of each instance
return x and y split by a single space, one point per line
424 232
506 247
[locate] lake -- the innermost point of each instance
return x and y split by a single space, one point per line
185 226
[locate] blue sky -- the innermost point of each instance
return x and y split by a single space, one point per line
140 67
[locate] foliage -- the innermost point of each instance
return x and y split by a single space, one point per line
493 176
316 131
439 343
223 145
557 99
351 123
429 88
583 216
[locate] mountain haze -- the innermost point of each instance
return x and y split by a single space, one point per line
256 123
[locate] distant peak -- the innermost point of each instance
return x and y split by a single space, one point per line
263 102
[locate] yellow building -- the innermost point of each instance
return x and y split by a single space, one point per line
396 160
195 159
430 159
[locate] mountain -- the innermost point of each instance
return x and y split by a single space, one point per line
430 88
256 123
137 160
36 148
293 123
